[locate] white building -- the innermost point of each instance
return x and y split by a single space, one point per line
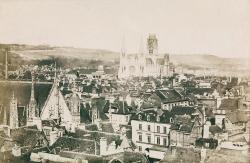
150 130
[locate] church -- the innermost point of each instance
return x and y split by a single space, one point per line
146 64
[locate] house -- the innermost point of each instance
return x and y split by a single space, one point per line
149 129
186 126
167 99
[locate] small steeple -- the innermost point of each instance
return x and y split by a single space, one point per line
33 109
123 49
13 113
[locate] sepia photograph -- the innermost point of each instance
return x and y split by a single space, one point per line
124 81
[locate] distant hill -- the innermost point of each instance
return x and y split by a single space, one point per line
80 56
207 61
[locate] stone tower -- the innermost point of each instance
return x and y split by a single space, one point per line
13 113
75 105
152 44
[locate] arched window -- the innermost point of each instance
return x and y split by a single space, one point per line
171 120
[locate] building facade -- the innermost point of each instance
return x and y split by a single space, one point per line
145 64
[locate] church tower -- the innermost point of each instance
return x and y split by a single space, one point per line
13 113
152 44
165 71
123 61
75 105
32 107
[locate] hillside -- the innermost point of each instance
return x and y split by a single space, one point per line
91 57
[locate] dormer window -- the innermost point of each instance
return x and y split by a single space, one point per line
139 117
148 118
171 120
158 118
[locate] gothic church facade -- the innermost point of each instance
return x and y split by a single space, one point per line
146 64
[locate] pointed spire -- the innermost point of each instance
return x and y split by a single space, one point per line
32 96
123 49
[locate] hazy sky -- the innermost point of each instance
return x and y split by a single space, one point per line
220 27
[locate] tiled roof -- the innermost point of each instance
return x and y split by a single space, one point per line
215 129
107 127
169 95
80 145
238 116
230 104
27 137
199 91
181 110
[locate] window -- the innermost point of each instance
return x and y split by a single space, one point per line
164 130
149 139
140 149
148 127
140 137
140 126
158 129
165 141
127 118
148 118
158 141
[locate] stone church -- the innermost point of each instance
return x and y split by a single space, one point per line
146 64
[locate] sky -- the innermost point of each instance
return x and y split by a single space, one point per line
219 27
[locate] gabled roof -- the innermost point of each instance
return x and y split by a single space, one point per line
170 95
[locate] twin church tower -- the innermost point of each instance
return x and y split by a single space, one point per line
146 64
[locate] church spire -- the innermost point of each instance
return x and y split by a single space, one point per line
13 113
33 110
123 48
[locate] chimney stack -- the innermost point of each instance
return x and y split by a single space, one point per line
6 64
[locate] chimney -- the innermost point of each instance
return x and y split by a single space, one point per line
6 64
